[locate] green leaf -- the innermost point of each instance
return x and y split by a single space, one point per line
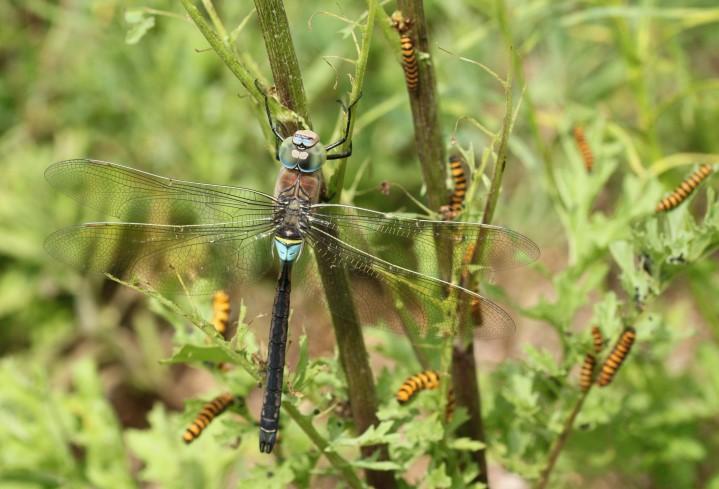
374 435
302 363
542 361
438 478
466 444
378 465
139 24
195 353
168 462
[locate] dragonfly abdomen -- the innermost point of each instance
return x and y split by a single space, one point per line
270 415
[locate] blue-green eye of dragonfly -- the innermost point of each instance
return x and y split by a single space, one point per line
301 152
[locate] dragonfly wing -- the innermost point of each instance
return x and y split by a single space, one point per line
502 248
139 196
385 294
205 257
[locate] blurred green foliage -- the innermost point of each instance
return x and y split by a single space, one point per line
84 400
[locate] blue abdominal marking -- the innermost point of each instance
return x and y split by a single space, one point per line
288 249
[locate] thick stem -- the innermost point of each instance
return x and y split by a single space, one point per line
430 150
561 441
425 108
350 342
283 59
424 103
467 394
355 362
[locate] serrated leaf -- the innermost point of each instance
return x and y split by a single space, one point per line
623 254
196 353
542 361
466 444
302 363
376 465
374 435
438 477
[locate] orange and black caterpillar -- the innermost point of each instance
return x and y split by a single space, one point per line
427 380
617 356
597 339
409 57
584 149
449 409
459 178
221 312
684 189
586 374
208 412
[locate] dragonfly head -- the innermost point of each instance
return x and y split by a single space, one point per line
302 152
288 243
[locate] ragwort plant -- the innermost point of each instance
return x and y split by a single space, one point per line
626 266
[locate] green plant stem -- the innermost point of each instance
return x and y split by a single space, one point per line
389 34
223 50
219 26
634 316
499 167
637 56
334 186
532 117
336 460
561 441
348 334
283 59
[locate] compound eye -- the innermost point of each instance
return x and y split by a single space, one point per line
311 164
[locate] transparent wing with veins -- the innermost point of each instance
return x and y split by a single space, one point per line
502 248
123 192
403 266
208 235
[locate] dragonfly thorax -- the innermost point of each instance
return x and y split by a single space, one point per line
302 152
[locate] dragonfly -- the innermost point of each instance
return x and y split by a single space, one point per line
211 234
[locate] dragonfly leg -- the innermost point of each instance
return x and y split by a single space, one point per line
279 137
270 415
339 156
348 111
